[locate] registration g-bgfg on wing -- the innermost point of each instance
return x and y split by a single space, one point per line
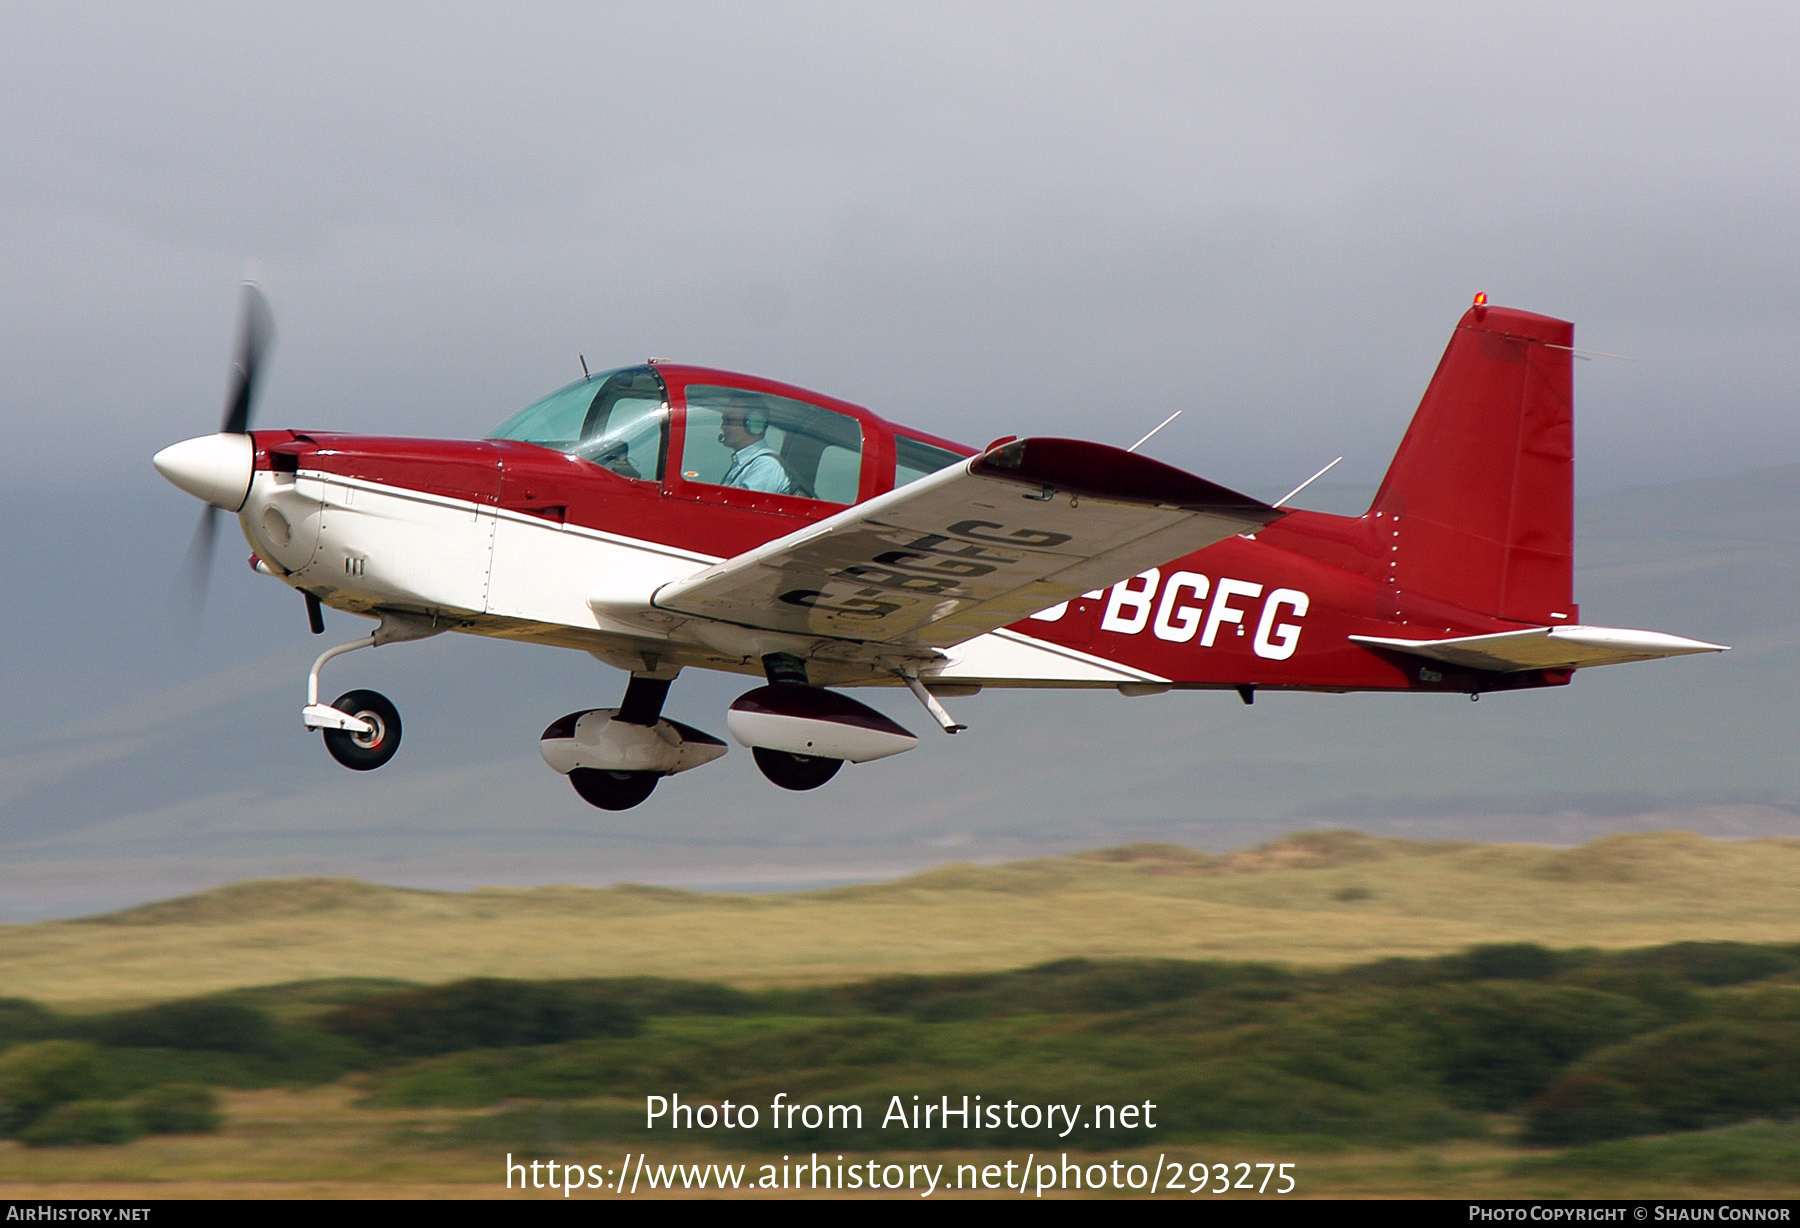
665 517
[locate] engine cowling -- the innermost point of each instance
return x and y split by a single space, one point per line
593 739
806 720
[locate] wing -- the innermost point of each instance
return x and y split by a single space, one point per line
971 548
1546 648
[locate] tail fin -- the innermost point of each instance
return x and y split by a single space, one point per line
1479 501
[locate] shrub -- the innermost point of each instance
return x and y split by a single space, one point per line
196 1023
179 1108
649 995
913 995
1715 963
1496 1045
1066 986
36 1078
1671 996
82 1122
21 1019
1508 961
1128 984
1583 1107
1688 1077
485 1014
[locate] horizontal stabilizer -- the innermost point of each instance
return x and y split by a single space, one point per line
1546 648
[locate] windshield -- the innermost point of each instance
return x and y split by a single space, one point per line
619 419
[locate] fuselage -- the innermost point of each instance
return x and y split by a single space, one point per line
542 541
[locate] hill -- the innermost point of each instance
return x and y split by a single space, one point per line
1322 899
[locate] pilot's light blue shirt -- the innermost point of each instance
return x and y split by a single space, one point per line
756 467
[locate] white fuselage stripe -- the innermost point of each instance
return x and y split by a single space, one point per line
997 658
465 505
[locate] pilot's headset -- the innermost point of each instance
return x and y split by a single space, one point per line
756 420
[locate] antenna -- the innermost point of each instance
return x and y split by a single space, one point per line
1590 355
1309 481
1159 426
584 370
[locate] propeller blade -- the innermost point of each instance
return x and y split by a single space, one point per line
196 572
256 332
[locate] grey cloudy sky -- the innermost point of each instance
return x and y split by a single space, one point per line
979 219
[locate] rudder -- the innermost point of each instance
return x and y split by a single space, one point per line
1477 508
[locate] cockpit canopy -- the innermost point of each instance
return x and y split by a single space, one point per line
728 436
619 419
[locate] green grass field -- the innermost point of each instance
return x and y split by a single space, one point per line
1392 1018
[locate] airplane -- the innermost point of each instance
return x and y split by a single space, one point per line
662 516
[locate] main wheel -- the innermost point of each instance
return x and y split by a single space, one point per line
796 772
364 752
613 790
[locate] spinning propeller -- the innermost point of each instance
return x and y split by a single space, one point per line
217 468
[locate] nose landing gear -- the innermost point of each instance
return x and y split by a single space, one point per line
362 728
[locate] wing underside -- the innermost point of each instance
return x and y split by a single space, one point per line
971 548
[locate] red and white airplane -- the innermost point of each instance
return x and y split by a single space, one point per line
663 517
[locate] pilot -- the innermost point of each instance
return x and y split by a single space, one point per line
755 465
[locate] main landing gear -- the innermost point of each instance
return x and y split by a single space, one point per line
800 735
786 768
362 728
621 790
614 757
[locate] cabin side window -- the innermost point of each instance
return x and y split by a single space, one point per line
913 460
762 442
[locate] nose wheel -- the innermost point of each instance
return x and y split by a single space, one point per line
365 751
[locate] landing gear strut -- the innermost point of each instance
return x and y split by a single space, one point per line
362 728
